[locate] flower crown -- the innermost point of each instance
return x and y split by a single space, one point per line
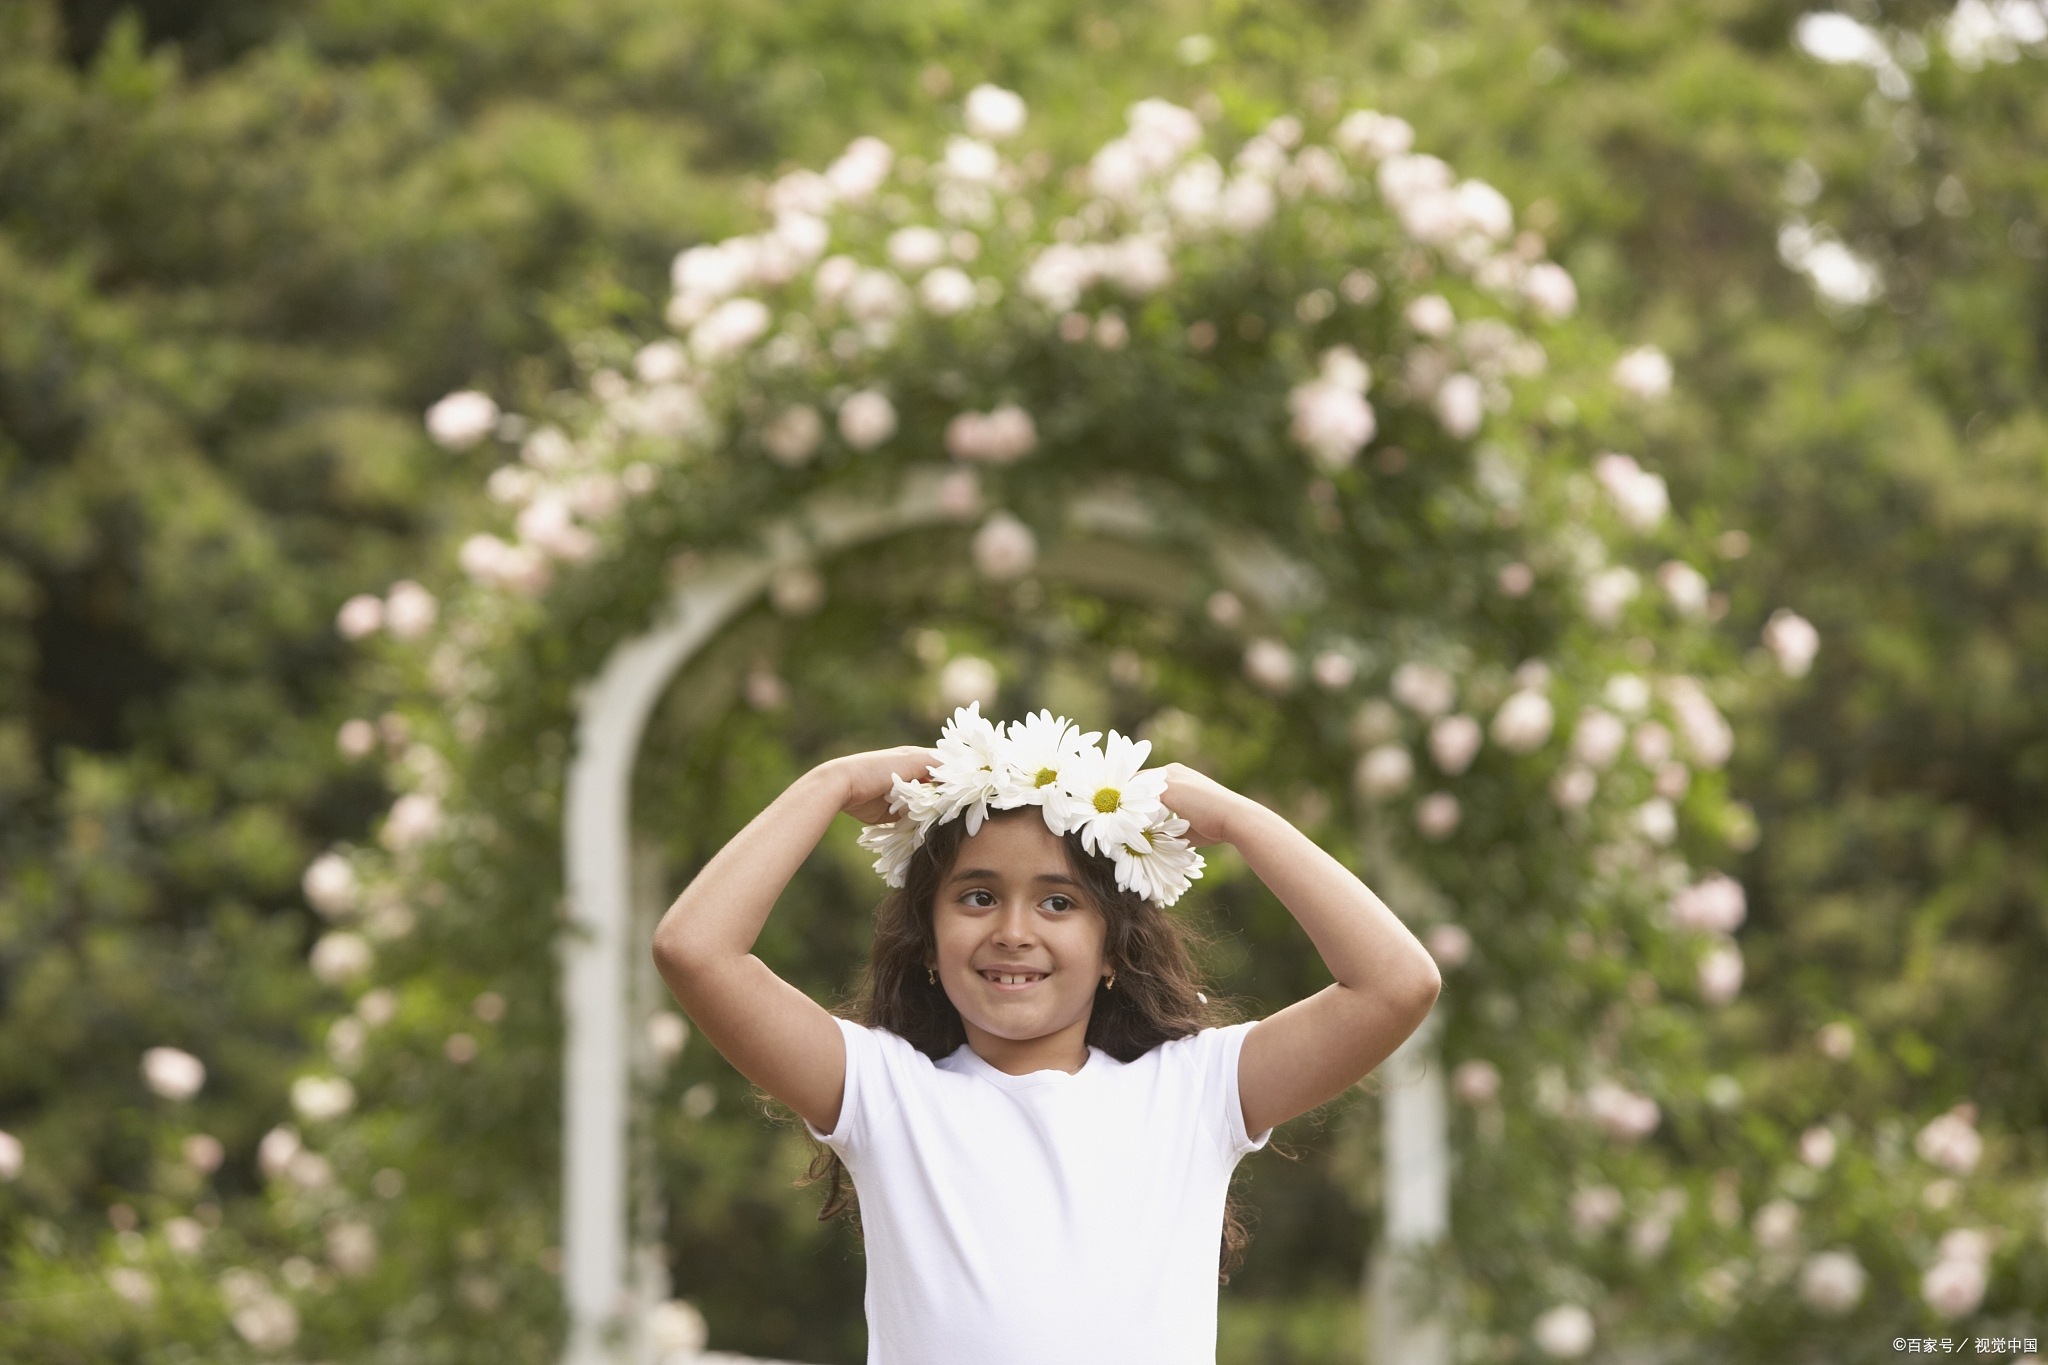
1099 793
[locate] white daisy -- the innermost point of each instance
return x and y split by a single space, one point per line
1109 799
1039 751
1159 864
921 802
893 844
917 806
967 774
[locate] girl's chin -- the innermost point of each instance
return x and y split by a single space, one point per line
1018 1021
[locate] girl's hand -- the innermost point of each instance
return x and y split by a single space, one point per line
1206 804
865 779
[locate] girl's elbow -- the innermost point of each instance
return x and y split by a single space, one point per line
1428 985
675 956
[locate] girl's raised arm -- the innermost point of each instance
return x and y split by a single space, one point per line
1315 1049
778 1037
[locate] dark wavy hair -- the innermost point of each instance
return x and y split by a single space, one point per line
1158 995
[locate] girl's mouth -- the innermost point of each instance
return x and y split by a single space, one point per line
1013 981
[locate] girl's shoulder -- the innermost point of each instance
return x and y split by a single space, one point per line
881 1044
1194 1048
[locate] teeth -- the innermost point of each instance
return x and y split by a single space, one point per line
1012 980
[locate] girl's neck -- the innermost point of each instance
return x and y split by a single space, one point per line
1065 1050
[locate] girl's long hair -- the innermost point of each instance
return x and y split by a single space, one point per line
1157 996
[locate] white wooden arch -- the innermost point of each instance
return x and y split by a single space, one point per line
606 1294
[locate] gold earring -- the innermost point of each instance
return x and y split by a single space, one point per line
1110 984
931 978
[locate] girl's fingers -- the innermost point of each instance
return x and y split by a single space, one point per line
875 776
917 765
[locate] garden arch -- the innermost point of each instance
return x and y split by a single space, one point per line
1490 669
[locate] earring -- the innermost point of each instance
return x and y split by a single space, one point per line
1110 984
931 978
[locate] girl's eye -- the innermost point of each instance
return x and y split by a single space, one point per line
980 899
1058 903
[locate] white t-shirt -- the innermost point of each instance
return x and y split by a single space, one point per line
1047 1218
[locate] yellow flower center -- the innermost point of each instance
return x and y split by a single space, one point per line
1046 777
1108 799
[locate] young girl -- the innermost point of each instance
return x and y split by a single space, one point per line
1040 1129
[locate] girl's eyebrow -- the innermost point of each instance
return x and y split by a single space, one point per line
976 874
990 874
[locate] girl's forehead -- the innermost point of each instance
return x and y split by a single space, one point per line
1023 830
1020 847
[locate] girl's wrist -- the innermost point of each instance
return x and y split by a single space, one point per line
830 779
1244 817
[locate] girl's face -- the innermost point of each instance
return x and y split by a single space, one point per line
1019 940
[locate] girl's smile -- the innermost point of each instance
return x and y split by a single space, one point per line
1012 978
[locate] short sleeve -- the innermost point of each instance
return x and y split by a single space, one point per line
1223 1063
1209 1063
864 1067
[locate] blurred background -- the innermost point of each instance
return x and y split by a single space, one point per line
244 246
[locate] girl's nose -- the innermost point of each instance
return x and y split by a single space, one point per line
1013 927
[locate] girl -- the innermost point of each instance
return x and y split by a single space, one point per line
1040 1129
